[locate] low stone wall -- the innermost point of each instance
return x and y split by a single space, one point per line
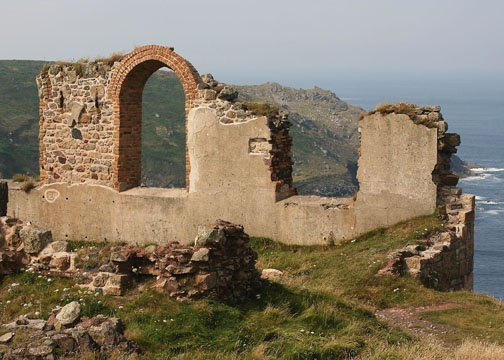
220 265
444 261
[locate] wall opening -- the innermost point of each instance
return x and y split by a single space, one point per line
163 131
126 90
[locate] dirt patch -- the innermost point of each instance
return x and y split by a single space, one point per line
412 321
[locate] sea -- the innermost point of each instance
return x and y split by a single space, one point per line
473 106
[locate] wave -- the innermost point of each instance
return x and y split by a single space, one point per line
493 212
483 170
489 202
481 176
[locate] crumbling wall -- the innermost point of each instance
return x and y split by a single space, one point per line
443 261
220 265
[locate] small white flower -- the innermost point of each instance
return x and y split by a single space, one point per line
15 284
49 280
120 307
302 330
65 289
396 290
8 302
37 313
312 332
57 290
164 321
258 296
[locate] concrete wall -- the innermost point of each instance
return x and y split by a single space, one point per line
231 178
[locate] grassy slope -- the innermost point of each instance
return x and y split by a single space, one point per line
18 117
322 308
325 137
163 132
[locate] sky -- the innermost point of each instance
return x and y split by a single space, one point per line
267 40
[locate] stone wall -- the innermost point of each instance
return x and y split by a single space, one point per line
76 124
443 261
220 265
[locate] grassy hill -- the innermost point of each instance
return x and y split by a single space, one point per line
328 304
19 117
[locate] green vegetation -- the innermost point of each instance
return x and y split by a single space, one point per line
19 107
261 109
323 307
163 131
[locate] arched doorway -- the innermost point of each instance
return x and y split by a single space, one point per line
125 91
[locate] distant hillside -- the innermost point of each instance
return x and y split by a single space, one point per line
325 136
19 117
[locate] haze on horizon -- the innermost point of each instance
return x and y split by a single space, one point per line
267 40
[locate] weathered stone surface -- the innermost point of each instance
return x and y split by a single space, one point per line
60 261
69 313
201 254
228 93
168 285
209 236
45 349
271 274
65 341
5 338
115 284
34 238
206 281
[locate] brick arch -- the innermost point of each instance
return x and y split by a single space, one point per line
125 91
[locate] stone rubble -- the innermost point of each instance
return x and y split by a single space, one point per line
221 265
44 340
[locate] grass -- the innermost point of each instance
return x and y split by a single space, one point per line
262 109
28 182
322 308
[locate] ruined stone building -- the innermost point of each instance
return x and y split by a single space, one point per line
238 164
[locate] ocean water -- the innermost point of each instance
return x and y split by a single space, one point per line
473 106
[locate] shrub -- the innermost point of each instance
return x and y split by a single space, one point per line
28 185
19 177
